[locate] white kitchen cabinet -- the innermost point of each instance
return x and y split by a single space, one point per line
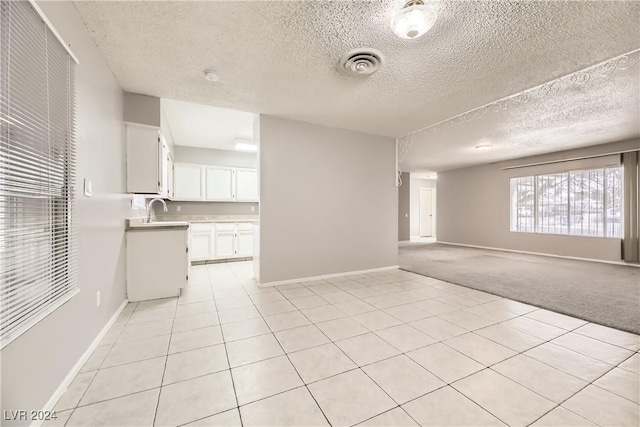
157 262
201 238
244 240
220 185
220 240
246 185
189 181
214 183
170 179
146 160
225 240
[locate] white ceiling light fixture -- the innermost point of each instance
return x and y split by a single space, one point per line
245 145
211 75
414 19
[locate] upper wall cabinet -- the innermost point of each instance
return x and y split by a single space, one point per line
246 185
147 164
215 183
220 184
188 182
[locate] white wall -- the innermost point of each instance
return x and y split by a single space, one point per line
209 156
328 200
35 364
414 201
474 206
142 109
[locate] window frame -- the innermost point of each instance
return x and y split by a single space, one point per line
30 297
568 172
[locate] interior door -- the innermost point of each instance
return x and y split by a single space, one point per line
426 212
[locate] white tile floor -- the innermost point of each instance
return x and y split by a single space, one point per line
390 348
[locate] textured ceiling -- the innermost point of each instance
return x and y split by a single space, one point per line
278 57
605 109
198 125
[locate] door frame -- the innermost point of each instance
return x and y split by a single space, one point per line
433 211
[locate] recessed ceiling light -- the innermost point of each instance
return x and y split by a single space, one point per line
413 20
484 146
211 75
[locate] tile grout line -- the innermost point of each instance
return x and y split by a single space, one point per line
73 410
583 388
262 317
304 384
226 351
442 341
164 368
521 302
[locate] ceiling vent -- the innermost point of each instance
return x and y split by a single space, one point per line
361 62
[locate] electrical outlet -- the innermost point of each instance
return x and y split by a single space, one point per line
178 208
406 215
87 187
98 299
253 208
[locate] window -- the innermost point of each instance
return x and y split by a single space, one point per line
37 164
578 203
552 211
523 204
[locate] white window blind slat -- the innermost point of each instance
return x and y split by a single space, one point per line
37 170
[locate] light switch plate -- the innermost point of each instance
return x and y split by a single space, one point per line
178 208
87 187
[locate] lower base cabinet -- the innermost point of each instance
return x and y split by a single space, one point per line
244 240
157 263
220 241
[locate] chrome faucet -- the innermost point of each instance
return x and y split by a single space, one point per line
164 207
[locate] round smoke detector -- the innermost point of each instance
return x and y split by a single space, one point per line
361 62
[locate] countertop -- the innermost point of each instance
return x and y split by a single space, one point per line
140 224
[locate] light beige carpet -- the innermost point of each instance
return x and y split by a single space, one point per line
607 294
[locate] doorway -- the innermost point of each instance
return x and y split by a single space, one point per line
426 212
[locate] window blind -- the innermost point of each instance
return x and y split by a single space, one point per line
37 170
577 203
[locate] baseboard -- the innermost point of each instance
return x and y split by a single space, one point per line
326 276
80 363
542 254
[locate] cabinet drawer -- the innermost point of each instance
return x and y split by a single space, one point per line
245 226
225 226
201 226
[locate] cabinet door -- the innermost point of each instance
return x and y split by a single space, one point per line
220 183
245 243
225 245
247 185
163 166
188 181
144 159
201 246
170 178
